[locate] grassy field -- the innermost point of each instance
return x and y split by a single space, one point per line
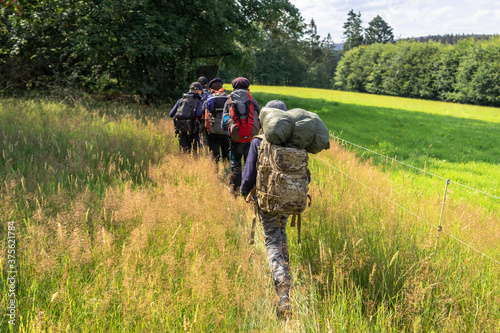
117 232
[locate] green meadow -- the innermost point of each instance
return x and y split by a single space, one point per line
115 231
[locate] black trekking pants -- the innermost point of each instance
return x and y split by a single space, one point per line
218 144
237 151
188 142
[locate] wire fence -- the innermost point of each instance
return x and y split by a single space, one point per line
413 167
439 227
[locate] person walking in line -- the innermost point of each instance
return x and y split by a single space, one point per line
241 121
273 210
218 140
205 92
202 140
275 235
186 113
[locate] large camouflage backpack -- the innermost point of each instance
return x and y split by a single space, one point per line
186 110
216 116
244 122
282 180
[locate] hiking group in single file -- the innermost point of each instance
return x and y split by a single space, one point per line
273 142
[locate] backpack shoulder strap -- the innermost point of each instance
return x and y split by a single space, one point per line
249 96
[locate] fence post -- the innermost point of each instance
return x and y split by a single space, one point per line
440 228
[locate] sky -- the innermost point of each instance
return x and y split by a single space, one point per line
407 18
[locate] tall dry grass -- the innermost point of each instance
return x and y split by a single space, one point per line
389 269
132 236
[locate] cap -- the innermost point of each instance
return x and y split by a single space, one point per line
216 80
277 104
240 83
203 80
196 86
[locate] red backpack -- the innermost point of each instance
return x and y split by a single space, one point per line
244 123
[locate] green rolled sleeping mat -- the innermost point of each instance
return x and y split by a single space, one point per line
321 138
296 128
303 131
276 124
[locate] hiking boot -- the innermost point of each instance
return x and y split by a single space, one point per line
284 308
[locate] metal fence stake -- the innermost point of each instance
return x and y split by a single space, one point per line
440 228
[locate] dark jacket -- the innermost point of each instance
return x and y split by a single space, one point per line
249 176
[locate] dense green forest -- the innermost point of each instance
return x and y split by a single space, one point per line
153 49
466 72
149 48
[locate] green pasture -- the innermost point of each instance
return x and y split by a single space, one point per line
454 141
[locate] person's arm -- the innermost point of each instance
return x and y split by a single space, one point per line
256 106
209 105
199 109
249 176
174 109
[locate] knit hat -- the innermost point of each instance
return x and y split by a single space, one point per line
203 80
195 86
216 80
277 104
240 83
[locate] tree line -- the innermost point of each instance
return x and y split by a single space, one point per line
450 38
149 48
378 31
153 49
466 72
293 55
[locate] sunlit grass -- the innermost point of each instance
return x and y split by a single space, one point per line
485 113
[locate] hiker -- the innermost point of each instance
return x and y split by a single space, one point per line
186 113
203 136
205 91
241 120
274 231
218 140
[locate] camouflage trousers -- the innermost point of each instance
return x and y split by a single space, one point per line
277 251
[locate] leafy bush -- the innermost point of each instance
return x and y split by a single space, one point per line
146 47
467 72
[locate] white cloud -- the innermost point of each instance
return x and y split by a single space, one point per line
407 18
481 2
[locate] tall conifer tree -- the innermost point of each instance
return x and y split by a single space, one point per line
378 31
353 31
